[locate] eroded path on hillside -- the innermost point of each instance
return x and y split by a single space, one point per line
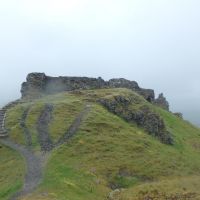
34 167
35 162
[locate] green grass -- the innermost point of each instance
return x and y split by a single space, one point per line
175 188
63 116
108 152
95 150
13 119
65 111
31 122
65 182
12 172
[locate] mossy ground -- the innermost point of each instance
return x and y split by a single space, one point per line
109 153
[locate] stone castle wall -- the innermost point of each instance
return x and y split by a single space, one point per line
38 84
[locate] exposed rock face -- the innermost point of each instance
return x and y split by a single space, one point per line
148 94
178 114
162 102
121 82
38 84
34 86
143 116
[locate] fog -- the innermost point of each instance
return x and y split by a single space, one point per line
155 43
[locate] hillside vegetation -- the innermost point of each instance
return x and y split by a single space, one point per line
110 157
12 172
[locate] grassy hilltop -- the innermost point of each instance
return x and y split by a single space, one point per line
109 157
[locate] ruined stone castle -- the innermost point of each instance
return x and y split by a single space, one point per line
38 84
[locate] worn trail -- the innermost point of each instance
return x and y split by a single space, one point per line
44 138
27 134
34 167
35 162
74 126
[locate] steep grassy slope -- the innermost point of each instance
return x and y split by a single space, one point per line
108 153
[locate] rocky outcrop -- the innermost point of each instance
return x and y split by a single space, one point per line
123 83
179 115
129 109
148 94
38 84
34 86
162 102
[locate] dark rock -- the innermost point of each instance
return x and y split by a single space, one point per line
38 84
143 116
34 86
123 83
162 102
178 114
148 94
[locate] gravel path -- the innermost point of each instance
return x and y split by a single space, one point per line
74 127
44 138
27 134
35 163
34 168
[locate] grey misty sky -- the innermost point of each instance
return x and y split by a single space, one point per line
155 43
